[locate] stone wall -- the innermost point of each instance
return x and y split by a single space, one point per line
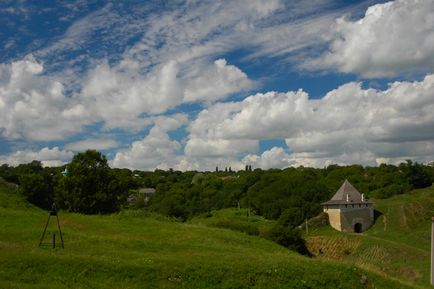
350 217
344 218
334 217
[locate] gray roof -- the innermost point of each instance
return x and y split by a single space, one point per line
147 191
354 197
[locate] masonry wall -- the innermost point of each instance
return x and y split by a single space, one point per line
344 218
334 216
351 216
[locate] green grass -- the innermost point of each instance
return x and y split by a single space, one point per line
397 246
133 249
236 219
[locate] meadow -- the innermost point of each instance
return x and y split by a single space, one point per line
397 246
135 249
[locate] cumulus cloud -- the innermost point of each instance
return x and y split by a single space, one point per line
49 157
93 144
391 38
217 82
34 106
121 97
197 147
270 115
349 125
275 157
174 56
156 150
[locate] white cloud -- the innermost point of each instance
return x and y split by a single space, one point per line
94 144
173 63
178 60
197 147
391 38
121 97
270 115
156 150
217 82
49 157
34 106
349 125
209 163
275 157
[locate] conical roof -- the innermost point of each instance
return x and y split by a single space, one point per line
347 193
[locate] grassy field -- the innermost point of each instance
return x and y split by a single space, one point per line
136 250
397 246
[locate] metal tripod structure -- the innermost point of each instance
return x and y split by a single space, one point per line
53 212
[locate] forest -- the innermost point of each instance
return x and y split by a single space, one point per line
88 185
291 194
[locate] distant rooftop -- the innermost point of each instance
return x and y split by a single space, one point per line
147 191
347 193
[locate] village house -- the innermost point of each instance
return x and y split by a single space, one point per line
143 193
349 211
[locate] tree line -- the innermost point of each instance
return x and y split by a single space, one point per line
90 186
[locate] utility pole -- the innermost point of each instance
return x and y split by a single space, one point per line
432 251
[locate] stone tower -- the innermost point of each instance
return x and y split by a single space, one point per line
349 211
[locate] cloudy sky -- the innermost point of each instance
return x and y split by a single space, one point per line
198 84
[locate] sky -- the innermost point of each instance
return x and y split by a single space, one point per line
196 84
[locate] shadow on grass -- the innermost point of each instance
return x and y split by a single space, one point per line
377 214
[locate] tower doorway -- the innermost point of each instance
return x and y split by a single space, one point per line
358 228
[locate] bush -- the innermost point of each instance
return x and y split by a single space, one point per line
391 190
234 225
38 189
289 238
291 217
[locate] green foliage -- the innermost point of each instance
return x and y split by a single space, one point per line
289 195
38 189
236 225
37 184
90 187
397 245
291 217
417 176
289 238
135 250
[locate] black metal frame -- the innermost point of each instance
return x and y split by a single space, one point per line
53 212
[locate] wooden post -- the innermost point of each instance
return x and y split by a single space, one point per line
432 251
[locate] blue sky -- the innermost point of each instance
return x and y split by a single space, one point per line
199 84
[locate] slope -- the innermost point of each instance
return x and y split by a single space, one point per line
398 245
135 250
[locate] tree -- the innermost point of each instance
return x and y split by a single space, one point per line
291 217
90 186
36 190
289 238
416 174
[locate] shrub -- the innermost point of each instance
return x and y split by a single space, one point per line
234 225
289 238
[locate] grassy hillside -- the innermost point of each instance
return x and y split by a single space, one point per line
132 250
398 245
241 220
